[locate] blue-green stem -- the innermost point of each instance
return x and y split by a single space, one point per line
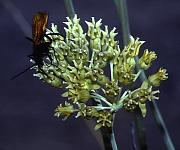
113 140
123 14
161 125
69 8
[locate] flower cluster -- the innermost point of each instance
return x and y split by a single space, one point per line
79 64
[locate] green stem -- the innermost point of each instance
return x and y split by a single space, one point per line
69 8
113 140
161 125
95 95
123 14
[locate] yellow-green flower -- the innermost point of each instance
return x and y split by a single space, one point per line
64 111
87 112
130 104
146 59
132 49
104 119
111 91
139 97
156 78
126 73
94 30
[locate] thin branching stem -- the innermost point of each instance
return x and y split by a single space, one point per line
98 96
161 125
123 14
113 140
111 69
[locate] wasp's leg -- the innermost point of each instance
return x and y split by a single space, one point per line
31 56
47 36
29 39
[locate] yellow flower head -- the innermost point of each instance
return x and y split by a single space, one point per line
156 78
146 59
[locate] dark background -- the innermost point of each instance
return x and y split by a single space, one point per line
27 104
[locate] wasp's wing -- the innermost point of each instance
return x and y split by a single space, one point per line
39 25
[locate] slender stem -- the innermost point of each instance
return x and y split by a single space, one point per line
113 140
122 12
112 72
92 59
109 138
98 96
123 16
161 125
69 8
101 107
157 116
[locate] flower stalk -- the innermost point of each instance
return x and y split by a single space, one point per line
69 8
123 15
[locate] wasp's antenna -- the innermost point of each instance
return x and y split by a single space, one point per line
17 75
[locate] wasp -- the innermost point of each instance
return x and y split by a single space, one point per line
40 46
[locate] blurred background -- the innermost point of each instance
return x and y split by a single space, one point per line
27 105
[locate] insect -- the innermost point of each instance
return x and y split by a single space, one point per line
40 47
